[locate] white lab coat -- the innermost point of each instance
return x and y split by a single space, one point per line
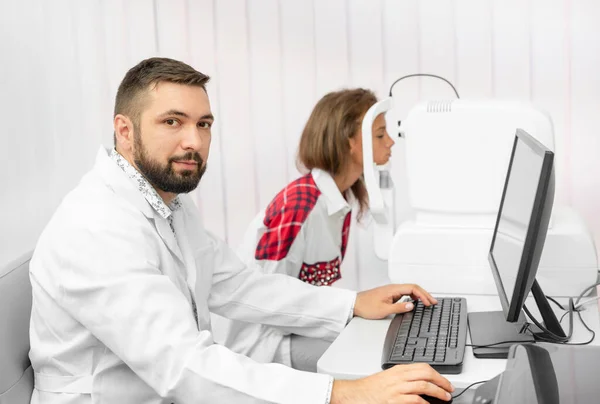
112 319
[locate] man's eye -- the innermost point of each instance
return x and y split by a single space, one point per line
204 125
171 122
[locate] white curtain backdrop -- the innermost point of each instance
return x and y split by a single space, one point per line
270 61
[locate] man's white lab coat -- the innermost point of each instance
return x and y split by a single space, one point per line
112 318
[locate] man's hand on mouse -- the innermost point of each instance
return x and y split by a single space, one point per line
381 302
401 384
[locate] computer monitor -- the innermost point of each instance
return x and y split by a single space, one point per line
516 248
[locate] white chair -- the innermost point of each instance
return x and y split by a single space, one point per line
16 374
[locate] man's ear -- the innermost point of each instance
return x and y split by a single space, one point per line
123 132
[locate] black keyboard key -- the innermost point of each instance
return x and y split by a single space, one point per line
412 341
406 358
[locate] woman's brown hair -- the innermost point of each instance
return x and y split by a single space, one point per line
324 144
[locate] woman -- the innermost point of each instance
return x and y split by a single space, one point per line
304 231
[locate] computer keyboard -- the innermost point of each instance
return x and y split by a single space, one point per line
435 335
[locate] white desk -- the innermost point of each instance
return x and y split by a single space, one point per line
357 351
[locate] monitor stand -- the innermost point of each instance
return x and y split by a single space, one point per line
490 327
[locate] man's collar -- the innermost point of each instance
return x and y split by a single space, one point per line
145 188
334 198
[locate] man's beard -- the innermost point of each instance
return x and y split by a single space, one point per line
164 177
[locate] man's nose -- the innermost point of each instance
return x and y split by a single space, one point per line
192 139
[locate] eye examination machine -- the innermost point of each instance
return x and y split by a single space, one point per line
456 156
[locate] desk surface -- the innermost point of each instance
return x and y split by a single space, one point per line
356 352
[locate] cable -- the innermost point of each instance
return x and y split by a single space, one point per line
424 75
563 316
550 334
577 308
575 343
588 328
497 343
589 288
593 299
468 387
555 302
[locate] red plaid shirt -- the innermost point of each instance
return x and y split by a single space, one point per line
304 232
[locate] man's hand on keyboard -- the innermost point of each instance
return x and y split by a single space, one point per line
399 384
381 302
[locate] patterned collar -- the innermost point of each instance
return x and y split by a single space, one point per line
145 188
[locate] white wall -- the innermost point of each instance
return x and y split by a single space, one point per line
270 61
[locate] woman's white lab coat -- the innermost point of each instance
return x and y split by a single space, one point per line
112 318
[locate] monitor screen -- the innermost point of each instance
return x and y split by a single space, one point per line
522 221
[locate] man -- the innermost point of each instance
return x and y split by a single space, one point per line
124 278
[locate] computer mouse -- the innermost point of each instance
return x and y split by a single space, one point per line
434 400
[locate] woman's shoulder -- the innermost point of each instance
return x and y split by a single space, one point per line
285 216
296 199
